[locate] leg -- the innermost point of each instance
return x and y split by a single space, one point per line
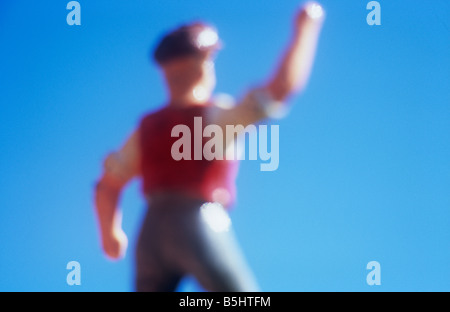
152 274
213 256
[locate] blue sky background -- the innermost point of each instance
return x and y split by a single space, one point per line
364 155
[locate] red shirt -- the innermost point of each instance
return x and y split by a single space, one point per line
211 180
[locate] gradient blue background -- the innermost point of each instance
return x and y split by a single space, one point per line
364 155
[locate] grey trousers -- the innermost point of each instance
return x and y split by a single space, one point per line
177 240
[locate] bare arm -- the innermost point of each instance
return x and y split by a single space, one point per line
107 195
291 75
119 168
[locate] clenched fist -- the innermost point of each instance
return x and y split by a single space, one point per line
115 243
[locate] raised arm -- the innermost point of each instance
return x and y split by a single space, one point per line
294 70
119 168
290 77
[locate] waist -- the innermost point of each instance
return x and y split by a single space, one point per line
173 199
170 200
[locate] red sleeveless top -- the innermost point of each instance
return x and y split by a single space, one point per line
210 180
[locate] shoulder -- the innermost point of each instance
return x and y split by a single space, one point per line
220 104
223 101
154 115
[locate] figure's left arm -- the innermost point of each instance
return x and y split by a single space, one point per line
294 70
290 77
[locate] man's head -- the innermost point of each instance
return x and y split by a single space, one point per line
185 56
196 40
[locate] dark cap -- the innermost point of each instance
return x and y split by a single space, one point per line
187 40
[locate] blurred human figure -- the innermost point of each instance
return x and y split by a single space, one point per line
186 230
